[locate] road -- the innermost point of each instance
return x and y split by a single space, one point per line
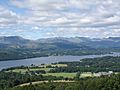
38 82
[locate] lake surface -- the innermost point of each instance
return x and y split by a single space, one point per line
48 60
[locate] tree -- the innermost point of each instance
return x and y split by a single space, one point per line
77 77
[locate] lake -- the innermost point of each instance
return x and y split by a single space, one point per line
48 60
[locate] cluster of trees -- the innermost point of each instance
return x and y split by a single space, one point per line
16 54
11 79
23 53
101 83
108 63
32 66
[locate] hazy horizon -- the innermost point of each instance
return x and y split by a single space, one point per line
61 37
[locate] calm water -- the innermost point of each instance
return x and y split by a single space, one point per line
48 60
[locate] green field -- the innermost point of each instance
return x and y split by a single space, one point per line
41 67
54 65
24 70
65 75
59 65
69 75
86 74
48 67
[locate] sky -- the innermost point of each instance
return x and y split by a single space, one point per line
34 19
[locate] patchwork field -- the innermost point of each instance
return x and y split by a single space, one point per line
65 75
24 70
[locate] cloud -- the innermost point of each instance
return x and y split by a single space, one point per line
94 18
7 17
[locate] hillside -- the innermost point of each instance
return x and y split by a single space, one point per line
15 47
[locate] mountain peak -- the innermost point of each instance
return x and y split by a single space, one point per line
13 40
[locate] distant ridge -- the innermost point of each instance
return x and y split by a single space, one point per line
58 42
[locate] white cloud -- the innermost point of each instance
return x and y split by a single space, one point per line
35 28
7 17
72 17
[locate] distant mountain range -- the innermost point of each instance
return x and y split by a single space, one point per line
59 42
15 47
